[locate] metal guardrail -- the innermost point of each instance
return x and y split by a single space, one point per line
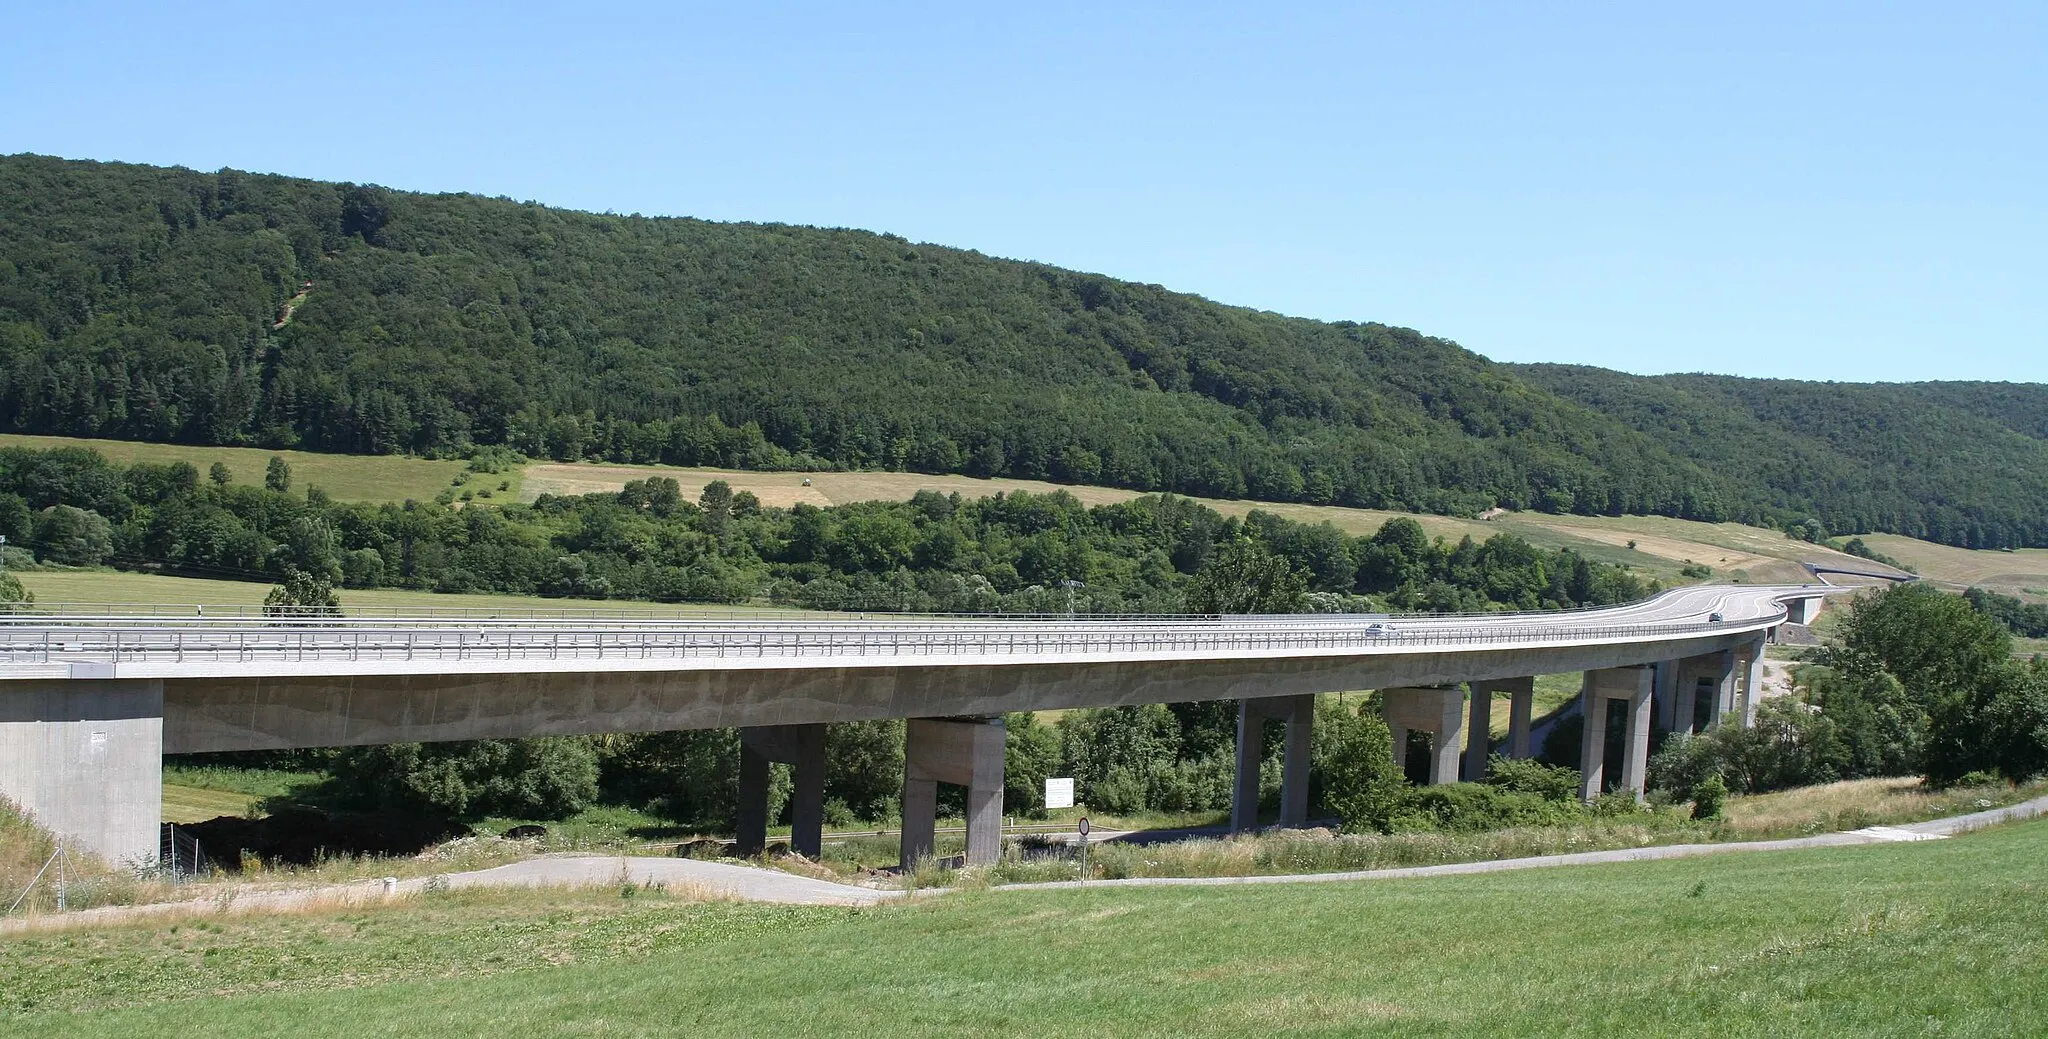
361 643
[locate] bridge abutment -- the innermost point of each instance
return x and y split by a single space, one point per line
965 753
85 758
802 747
1299 714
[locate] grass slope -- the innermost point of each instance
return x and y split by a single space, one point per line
1943 937
90 587
373 478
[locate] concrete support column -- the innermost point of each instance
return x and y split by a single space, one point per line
1478 731
1753 682
1635 759
1668 674
1593 744
1400 734
802 747
1299 712
1635 686
1521 692
1439 711
85 758
1520 708
965 753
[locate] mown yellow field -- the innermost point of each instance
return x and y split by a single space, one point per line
2023 573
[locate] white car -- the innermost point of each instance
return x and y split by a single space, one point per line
1379 629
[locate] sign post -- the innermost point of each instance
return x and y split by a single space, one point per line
1084 849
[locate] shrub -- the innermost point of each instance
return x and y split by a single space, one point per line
1354 758
1708 798
1529 776
549 777
1474 807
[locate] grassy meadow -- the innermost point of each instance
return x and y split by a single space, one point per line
376 478
112 587
1942 937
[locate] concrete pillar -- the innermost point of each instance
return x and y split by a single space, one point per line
965 753
1635 759
85 758
1593 744
1400 734
1478 731
802 747
1753 683
1299 712
1439 711
1635 686
1300 751
1520 708
1668 675
1521 693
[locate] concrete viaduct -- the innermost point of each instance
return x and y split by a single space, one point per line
89 705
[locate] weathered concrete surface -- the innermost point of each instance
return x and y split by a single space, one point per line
272 713
86 759
1298 713
1633 686
1439 712
962 753
802 747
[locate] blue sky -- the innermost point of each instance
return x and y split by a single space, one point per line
1848 191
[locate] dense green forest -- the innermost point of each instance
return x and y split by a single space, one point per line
1958 463
230 308
1014 553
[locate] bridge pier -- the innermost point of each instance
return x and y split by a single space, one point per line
1753 680
802 747
1439 711
965 753
1635 686
1299 712
1479 726
1710 673
85 758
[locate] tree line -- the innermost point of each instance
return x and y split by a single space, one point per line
1017 552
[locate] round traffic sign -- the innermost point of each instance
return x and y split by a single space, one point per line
1084 826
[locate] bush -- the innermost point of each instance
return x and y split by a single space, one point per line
1475 807
1354 758
11 591
1533 777
1708 797
549 777
72 536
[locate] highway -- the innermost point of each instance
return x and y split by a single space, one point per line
179 643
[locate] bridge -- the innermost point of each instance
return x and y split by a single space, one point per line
91 701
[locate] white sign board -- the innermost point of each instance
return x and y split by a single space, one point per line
1059 793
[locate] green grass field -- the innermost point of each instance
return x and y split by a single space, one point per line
119 587
343 477
1939 938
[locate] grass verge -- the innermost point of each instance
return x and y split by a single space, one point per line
1942 937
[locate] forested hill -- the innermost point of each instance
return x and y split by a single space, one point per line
164 304
1963 463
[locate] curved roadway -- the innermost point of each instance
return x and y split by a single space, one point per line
182 646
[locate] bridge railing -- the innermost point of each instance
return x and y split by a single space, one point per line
365 642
